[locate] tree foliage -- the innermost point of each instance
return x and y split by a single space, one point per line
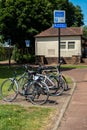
85 31
22 19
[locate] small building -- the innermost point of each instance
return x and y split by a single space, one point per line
71 41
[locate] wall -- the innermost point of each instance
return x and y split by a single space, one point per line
49 46
46 46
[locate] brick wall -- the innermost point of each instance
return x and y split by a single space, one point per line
50 60
84 60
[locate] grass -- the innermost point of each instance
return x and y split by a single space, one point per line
6 72
15 117
74 66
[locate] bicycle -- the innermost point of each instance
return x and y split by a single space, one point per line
9 89
57 83
35 89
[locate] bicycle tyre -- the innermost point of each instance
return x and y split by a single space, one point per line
9 90
61 86
38 92
21 82
66 83
52 88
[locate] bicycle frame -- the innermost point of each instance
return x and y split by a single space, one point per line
45 79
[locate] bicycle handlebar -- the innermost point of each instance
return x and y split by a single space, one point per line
40 68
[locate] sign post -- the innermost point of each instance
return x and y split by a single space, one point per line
9 43
59 22
27 42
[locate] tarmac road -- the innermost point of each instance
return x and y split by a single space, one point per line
75 117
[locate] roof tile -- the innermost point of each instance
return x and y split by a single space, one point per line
69 31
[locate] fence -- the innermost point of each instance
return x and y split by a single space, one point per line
5 52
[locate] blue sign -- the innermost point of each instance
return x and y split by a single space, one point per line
59 25
27 43
59 16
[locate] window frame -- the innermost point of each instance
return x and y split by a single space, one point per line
71 45
62 44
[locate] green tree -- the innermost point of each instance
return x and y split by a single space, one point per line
85 31
74 15
22 19
78 17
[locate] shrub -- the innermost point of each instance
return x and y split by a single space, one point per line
21 57
17 55
2 53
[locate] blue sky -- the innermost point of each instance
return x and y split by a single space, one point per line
83 5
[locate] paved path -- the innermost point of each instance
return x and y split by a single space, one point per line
75 117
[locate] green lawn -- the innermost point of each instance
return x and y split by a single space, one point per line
15 117
6 72
74 66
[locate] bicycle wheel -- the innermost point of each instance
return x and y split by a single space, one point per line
53 84
66 83
38 92
61 85
9 90
21 82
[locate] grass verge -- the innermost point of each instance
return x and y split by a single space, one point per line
15 117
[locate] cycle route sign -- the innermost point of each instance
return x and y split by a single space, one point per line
59 19
27 42
59 22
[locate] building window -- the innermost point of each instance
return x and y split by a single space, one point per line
63 45
71 45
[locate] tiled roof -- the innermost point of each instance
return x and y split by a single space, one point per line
69 31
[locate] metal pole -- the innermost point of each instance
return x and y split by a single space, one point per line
9 41
9 57
59 47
